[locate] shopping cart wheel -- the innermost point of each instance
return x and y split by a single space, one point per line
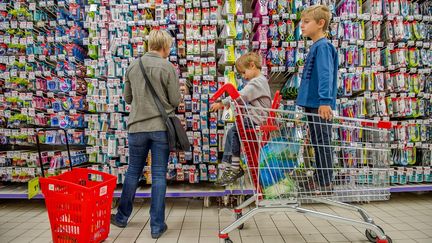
224 238
207 202
387 240
239 215
372 237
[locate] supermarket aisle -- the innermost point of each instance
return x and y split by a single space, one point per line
406 218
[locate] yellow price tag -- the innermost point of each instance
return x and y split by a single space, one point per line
33 187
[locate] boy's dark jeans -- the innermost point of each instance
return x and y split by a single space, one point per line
232 143
321 134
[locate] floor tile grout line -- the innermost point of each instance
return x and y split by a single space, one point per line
199 234
295 227
257 229
148 220
184 218
22 223
274 223
123 229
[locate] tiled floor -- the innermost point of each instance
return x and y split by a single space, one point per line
405 218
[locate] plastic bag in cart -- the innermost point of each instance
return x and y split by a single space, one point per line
277 158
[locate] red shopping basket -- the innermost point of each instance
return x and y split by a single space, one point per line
79 208
78 203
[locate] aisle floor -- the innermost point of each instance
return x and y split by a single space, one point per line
405 218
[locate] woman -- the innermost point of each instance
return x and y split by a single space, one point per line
147 130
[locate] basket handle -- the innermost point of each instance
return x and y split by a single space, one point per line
230 89
39 148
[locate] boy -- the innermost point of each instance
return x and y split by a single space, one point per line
317 92
256 93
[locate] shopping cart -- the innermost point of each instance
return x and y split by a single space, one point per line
296 157
78 201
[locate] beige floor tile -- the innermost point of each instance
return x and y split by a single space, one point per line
335 237
273 239
209 239
135 225
125 240
421 226
327 229
415 234
22 240
171 233
402 226
397 235
269 231
293 238
46 233
314 238
404 241
355 236
175 225
288 230
209 233
428 240
251 239
14 232
130 233
249 232
188 240
167 240
42 240
8 225
145 240
189 232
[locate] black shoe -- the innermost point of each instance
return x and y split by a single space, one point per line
229 176
114 222
158 235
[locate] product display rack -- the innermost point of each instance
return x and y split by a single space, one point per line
77 81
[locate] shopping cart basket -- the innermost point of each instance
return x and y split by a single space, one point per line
78 201
296 157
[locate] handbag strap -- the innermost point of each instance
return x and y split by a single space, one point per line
152 90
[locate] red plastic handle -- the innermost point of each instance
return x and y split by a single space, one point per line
230 89
380 124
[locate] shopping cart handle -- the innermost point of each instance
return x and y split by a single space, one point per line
230 89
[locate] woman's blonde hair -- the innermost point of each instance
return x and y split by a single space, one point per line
159 39
244 62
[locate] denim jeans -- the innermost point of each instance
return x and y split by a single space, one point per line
139 146
232 143
321 134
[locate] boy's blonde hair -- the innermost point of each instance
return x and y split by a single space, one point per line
244 62
318 12
159 39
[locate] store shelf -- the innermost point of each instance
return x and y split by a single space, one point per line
188 190
411 188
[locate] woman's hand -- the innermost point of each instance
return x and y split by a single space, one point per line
216 106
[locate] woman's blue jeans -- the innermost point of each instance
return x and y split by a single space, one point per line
139 146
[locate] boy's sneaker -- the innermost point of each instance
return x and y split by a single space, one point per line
229 176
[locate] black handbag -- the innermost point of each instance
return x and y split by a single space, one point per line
177 137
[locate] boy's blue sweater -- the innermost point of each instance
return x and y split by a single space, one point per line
319 80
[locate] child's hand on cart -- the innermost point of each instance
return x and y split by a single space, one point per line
216 106
325 112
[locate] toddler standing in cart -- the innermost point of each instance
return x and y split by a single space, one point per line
317 93
256 93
